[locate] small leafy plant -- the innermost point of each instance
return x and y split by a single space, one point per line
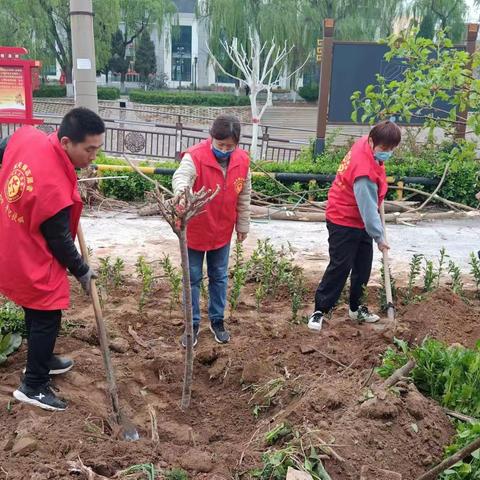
413 274
239 277
8 344
12 319
429 276
174 277
176 474
441 264
475 270
145 272
456 278
110 274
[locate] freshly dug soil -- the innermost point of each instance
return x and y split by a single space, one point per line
218 436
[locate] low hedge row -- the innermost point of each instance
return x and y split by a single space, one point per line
59 91
187 98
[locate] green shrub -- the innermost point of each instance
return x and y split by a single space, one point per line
108 93
12 319
50 91
309 93
171 98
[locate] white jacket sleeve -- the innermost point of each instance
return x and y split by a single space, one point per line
184 176
243 206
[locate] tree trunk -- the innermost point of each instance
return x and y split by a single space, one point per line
188 315
255 121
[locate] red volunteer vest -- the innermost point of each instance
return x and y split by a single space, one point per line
37 180
342 208
213 227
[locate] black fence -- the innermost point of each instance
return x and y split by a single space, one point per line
157 141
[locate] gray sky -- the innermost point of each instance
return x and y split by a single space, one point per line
474 12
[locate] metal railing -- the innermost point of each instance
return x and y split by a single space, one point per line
156 141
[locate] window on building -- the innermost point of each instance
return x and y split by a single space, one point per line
182 53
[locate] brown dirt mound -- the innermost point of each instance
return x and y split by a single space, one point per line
442 315
320 377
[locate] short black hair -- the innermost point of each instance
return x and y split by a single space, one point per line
80 122
386 133
226 126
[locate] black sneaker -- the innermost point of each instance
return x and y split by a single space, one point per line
43 397
58 365
196 328
219 332
315 321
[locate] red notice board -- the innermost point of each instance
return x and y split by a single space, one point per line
16 103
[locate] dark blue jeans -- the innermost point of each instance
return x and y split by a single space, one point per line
217 268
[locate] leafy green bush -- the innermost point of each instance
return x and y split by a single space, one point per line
309 93
461 183
451 376
171 98
12 319
50 91
108 93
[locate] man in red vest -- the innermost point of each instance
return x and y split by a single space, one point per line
212 162
353 220
40 208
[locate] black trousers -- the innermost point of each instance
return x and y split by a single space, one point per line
42 331
350 251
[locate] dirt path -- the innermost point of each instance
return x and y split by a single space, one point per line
127 235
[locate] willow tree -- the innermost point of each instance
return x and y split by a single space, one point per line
431 15
43 26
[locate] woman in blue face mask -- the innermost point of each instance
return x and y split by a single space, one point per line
215 161
353 221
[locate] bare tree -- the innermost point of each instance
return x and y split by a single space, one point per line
178 211
262 71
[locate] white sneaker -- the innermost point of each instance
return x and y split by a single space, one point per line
362 315
315 321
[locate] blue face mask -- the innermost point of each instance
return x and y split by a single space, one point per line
221 155
383 156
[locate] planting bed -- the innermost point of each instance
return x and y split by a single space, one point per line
219 437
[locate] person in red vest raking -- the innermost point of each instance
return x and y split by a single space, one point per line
40 208
212 162
353 220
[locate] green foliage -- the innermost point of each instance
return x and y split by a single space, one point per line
50 91
475 270
108 93
176 474
279 432
148 469
145 272
172 98
450 375
239 277
413 274
145 60
12 319
174 277
8 344
110 274
277 461
274 271
469 468
59 91
309 92
434 72
456 277
441 264
429 276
